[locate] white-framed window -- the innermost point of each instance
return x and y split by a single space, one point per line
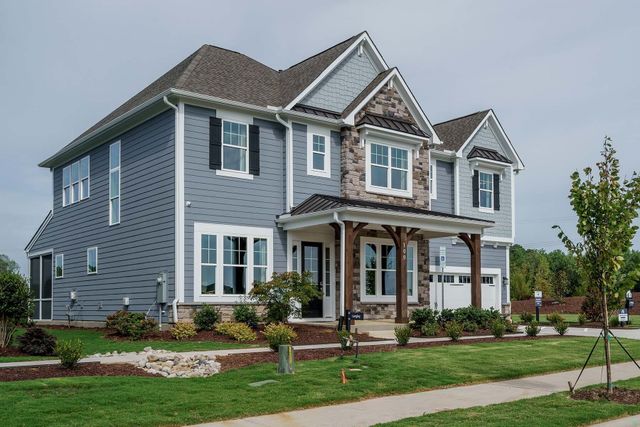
487 280
388 169
433 179
464 278
114 183
235 146
92 260
446 278
229 260
76 181
378 270
318 153
58 266
485 188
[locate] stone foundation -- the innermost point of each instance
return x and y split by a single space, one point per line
186 311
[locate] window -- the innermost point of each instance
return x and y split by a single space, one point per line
447 278
92 260
388 170
59 266
379 270
41 286
318 154
75 182
486 190
433 184
229 259
487 280
464 279
114 183
235 146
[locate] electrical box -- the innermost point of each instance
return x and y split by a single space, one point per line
73 296
125 301
161 288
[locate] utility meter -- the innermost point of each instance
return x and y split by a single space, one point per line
161 288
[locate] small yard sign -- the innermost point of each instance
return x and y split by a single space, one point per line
623 315
356 315
443 257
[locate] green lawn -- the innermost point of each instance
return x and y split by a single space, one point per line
94 342
139 401
554 410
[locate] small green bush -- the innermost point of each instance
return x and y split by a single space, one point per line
561 327
183 331
284 295
16 304
130 324
446 315
247 314
470 327
614 322
526 317
206 318
238 331
582 319
402 333
37 342
422 316
345 339
430 329
481 317
510 327
554 318
278 334
69 352
532 329
498 328
453 330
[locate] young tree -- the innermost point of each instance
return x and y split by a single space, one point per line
15 304
606 207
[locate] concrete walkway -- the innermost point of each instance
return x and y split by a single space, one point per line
392 408
633 421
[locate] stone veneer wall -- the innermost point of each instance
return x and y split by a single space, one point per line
387 102
187 311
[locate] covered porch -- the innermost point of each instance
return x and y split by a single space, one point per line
389 269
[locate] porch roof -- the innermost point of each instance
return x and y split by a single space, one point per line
321 209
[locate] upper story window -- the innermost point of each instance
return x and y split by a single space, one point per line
92 260
235 146
114 183
318 154
58 266
433 183
486 190
75 182
388 169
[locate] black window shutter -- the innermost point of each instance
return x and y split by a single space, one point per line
215 143
496 192
476 189
254 150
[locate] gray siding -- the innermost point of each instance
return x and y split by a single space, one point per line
305 185
445 186
234 201
132 253
486 138
343 84
458 254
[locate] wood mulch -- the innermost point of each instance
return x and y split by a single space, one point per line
619 395
82 370
234 361
11 352
567 305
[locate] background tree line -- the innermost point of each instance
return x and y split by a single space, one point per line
554 273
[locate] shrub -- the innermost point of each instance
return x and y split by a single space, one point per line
279 334
481 317
238 331
526 317
614 322
131 324
592 308
498 328
453 330
402 333
37 342
247 314
554 318
69 352
183 330
15 304
206 318
422 316
345 339
429 329
284 295
532 329
582 319
470 327
446 316
561 327
510 327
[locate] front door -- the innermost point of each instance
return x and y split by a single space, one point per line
41 269
312 262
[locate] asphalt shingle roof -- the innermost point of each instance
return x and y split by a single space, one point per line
455 132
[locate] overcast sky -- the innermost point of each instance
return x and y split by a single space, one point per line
559 74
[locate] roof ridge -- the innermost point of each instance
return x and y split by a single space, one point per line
463 117
321 52
184 76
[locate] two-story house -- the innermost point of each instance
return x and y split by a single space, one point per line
224 170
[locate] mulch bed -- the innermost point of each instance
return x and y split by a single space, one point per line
568 305
234 361
82 370
619 395
11 352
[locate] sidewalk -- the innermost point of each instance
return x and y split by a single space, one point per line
392 408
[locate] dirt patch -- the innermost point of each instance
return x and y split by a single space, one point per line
619 395
234 361
82 370
568 305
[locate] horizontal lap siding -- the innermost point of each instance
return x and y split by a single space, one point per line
131 254
458 254
444 185
234 201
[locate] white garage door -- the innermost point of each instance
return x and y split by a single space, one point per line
454 290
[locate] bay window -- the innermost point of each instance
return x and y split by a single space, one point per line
378 270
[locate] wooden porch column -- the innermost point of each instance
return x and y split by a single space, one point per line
473 243
350 234
401 237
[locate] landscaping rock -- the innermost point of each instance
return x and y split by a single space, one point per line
174 365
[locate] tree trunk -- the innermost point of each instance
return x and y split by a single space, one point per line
607 344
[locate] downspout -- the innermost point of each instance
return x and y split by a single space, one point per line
174 303
342 256
288 162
